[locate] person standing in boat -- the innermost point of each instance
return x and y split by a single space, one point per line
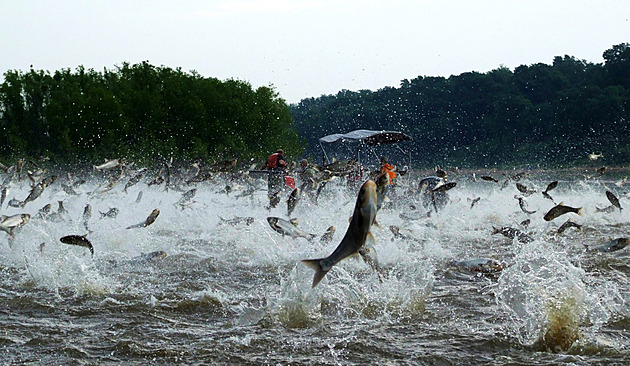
276 166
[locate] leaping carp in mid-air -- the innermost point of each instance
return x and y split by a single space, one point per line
559 210
150 219
288 228
108 165
356 235
610 246
613 200
79 240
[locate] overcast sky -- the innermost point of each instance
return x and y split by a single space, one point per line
306 48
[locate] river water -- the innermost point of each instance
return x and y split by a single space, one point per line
238 294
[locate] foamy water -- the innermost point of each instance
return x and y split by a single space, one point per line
238 294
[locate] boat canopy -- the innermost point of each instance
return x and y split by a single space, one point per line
368 137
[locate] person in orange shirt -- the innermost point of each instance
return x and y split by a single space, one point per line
389 170
276 166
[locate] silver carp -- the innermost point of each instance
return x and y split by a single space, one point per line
559 210
327 237
358 231
108 165
610 246
79 240
288 228
294 198
613 200
149 220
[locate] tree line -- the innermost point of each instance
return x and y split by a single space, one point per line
139 112
537 115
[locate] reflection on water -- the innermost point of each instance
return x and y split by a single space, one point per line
231 290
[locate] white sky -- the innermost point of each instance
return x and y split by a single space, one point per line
306 48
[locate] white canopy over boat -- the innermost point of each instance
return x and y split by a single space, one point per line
368 137
363 142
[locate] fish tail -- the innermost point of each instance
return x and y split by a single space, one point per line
319 272
579 211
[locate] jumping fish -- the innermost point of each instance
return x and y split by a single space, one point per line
60 209
187 197
609 209
474 202
567 225
49 180
613 200
149 220
3 195
512 233
9 224
294 197
610 246
274 200
238 220
108 165
222 166
327 237
112 213
13 202
550 186
69 190
79 240
444 187
37 191
524 190
356 235
523 205
559 210
134 180
87 214
288 228
15 221
44 211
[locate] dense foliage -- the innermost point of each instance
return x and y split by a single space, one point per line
139 112
549 115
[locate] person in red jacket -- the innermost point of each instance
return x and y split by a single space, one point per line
276 161
276 166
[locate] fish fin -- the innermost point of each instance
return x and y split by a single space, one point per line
369 239
294 221
319 272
